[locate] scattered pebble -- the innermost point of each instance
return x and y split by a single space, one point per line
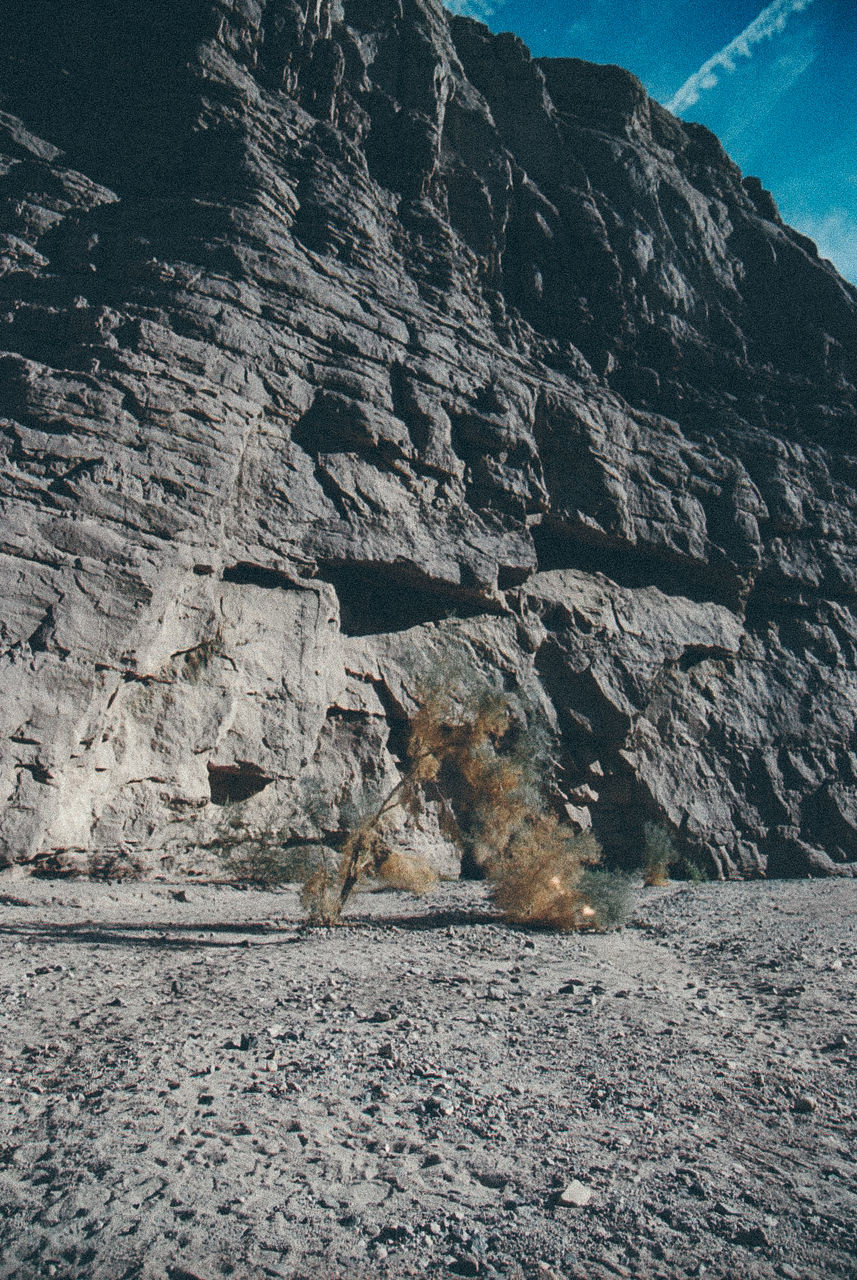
575 1195
372 1118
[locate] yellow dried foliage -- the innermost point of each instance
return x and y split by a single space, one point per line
539 892
535 880
413 875
466 745
320 899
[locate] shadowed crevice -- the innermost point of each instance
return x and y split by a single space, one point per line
375 599
231 783
557 547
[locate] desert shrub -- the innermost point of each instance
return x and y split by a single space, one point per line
537 877
413 875
482 752
659 853
365 851
269 861
113 866
687 869
608 893
70 864
265 858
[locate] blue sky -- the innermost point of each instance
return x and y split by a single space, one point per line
776 82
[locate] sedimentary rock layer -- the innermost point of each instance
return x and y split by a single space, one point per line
339 337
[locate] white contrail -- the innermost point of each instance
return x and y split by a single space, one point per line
770 22
481 9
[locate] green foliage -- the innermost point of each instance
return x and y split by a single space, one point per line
687 869
659 853
609 895
663 860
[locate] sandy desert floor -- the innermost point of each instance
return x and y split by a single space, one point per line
195 1086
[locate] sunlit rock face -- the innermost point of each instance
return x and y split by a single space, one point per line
338 339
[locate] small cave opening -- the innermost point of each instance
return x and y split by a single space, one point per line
695 654
230 783
376 599
44 637
398 724
39 772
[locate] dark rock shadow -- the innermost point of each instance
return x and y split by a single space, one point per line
173 936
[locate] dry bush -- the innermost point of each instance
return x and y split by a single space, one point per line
320 897
533 861
482 753
491 749
330 871
537 878
266 862
413 875
113 866
263 858
365 853
68 864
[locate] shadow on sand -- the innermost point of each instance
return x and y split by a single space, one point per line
212 934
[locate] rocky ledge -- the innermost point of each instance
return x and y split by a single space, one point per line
340 337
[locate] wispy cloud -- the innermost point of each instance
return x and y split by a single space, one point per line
743 133
770 22
481 9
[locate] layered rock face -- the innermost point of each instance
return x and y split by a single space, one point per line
339 338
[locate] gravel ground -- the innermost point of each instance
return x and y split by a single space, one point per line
194 1086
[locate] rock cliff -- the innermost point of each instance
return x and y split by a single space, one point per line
337 335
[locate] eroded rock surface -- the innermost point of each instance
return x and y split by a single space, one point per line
337 335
